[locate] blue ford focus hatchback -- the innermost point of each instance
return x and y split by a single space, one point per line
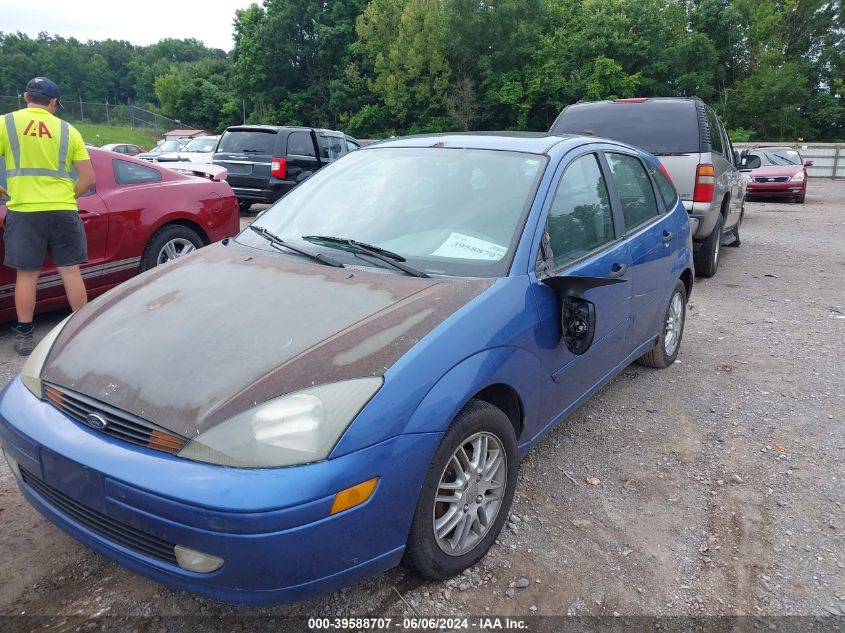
351 382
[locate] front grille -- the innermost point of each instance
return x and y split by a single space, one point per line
119 424
778 179
110 529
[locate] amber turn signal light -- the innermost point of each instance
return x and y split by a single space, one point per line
354 496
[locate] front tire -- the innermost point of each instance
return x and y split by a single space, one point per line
707 257
669 342
466 495
170 242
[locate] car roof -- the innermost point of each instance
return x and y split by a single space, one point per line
277 128
532 142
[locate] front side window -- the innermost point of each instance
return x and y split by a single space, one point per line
634 188
446 211
580 219
126 173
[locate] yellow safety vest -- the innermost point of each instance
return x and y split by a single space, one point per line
40 149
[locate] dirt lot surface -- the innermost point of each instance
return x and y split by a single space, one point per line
718 484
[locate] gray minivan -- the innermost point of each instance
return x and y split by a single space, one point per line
693 146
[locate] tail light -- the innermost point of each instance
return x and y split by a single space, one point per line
705 183
279 168
632 100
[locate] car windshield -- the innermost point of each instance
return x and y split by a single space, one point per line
169 146
443 211
777 156
201 145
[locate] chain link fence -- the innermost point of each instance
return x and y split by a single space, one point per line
103 114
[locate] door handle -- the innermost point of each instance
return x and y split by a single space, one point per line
667 236
617 270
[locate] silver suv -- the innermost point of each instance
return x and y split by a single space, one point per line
693 146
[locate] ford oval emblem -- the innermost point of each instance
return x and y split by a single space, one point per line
96 421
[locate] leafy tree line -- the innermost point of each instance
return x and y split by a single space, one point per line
774 69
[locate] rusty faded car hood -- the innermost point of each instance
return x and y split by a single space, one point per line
194 342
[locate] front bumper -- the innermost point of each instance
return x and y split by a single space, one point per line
776 189
272 527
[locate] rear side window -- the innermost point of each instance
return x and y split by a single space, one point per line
715 133
657 126
300 144
665 188
126 173
634 188
580 219
247 142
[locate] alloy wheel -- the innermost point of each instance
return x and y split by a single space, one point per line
174 249
674 324
470 493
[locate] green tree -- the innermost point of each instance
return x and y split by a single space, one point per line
609 81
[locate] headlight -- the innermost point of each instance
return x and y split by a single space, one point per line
298 428
799 177
746 178
31 372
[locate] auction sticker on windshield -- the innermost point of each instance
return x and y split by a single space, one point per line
467 247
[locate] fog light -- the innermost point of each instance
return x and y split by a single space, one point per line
354 496
13 464
192 560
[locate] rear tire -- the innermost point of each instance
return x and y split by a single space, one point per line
707 257
669 341
170 242
453 488
244 205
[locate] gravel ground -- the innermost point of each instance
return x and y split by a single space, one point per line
714 487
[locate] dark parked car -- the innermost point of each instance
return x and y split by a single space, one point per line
775 172
138 216
267 161
419 315
691 142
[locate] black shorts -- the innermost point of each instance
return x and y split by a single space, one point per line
30 235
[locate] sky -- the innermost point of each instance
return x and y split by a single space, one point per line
140 22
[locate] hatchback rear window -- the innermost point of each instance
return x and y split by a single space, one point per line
659 127
247 141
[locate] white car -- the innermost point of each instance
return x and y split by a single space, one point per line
198 150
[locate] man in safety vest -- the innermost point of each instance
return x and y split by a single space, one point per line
42 153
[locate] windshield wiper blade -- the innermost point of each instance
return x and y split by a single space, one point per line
382 254
278 242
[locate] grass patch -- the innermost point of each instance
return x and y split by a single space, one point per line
102 134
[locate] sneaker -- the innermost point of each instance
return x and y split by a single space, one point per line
24 343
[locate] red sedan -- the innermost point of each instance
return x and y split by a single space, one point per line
139 216
776 172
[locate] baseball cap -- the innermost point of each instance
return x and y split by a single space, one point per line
43 86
